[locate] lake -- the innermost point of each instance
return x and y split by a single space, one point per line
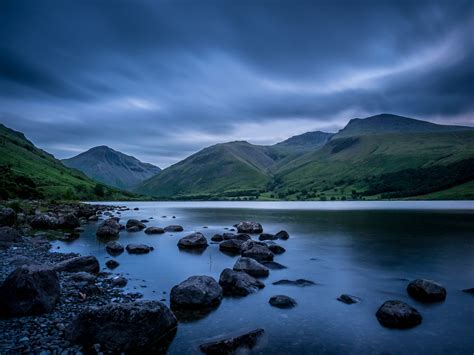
367 249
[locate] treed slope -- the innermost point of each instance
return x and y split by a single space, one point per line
29 172
218 169
348 164
112 167
387 123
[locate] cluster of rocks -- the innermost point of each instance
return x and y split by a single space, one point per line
62 303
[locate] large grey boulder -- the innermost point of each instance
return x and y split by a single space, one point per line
137 327
154 230
110 228
114 248
44 221
239 283
257 250
134 225
138 249
231 246
193 241
251 267
196 292
173 228
68 221
249 227
29 290
398 314
7 217
426 291
233 344
88 264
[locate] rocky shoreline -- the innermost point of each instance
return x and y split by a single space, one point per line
45 333
62 303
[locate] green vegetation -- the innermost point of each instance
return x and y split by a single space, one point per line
384 156
29 172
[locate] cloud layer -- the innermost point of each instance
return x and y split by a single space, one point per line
162 79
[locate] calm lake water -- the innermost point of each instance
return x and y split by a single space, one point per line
366 249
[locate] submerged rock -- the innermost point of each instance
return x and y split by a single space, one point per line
112 264
249 227
282 235
281 301
88 264
174 228
29 290
133 229
267 236
239 283
426 291
347 299
193 241
251 267
273 265
138 249
114 248
131 327
154 230
232 344
240 236
469 290
298 282
397 314
196 292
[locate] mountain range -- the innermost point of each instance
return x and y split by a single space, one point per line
379 157
383 156
112 167
29 172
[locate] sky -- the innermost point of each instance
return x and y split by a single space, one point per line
160 80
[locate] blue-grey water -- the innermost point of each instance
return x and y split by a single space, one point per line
366 249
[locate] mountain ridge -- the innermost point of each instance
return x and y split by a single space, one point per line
112 167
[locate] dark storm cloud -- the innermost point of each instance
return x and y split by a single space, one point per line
162 79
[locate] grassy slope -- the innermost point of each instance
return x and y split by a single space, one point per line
347 162
219 169
52 178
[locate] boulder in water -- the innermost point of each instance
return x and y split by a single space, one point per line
239 283
251 267
281 301
88 264
249 227
398 314
426 291
193 241
196 292
232 344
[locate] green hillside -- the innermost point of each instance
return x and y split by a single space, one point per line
29 172
384 156
352 167
229 169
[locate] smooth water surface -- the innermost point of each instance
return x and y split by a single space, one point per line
367 249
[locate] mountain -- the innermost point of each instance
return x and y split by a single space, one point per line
220 169
384 156
387 123
29 172
306 141
111 167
